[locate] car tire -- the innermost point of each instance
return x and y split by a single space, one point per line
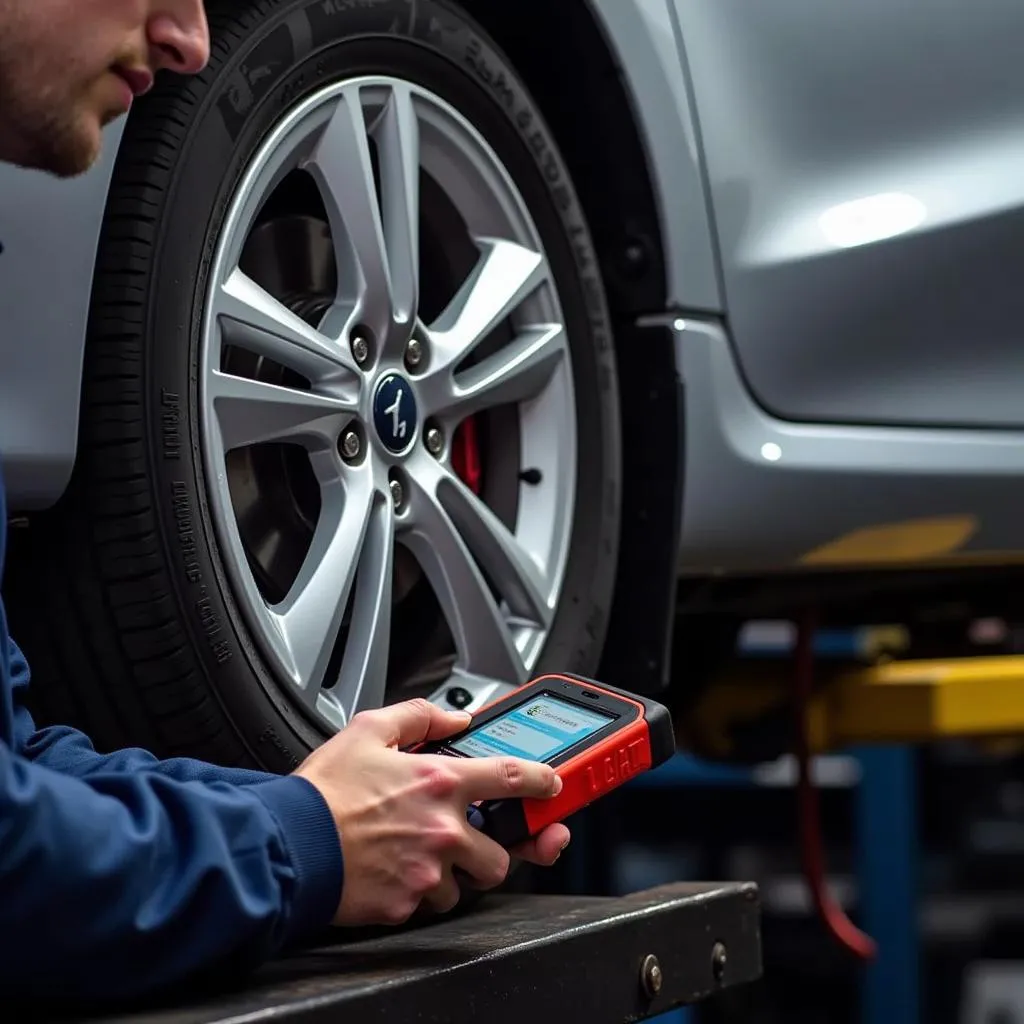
122 596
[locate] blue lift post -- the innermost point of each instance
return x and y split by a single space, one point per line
888 884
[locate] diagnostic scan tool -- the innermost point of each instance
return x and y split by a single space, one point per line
595 736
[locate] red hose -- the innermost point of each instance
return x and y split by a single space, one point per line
832 915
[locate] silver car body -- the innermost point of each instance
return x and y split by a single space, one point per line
841 194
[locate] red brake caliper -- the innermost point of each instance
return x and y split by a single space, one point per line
466 454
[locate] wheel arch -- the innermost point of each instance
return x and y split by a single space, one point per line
594 116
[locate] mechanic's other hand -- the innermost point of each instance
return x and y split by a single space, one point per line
402 817
546 847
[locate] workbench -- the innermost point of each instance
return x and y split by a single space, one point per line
514 958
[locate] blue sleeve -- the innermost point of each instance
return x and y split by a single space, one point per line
71 752
134 874
133 882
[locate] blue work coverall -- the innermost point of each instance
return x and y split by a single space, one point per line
121 874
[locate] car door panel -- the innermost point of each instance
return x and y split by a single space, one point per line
866 168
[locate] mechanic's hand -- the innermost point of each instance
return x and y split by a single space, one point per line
402 817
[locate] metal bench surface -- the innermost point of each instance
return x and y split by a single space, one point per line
512 959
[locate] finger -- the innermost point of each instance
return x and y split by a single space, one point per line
545 848
484 861
443 897
491 778
414 721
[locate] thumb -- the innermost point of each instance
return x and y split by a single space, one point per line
416 721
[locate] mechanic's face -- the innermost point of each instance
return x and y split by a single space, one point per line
68 67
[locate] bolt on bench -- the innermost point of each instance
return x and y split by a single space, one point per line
602 960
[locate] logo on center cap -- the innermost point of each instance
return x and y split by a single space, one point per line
394 412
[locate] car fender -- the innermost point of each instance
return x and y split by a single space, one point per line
645 40
46 276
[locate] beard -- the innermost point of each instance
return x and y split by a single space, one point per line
64 145
47 122
49 132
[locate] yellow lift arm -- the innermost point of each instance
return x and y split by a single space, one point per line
920 701
891 702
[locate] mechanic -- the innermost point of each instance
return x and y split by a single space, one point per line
122 874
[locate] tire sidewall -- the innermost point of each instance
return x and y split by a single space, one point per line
288 50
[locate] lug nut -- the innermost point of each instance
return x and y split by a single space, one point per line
360 348
434 441
414 352
350 444
459 697
396 493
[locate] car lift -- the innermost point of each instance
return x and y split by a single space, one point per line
831 707
545 959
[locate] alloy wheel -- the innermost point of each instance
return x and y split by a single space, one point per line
379 298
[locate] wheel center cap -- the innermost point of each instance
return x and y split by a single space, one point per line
394 412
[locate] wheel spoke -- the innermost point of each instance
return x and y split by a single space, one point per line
253 412
504 276
309 619
383 234
482 638
515 373
363 677
399 148
513 571
253 319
